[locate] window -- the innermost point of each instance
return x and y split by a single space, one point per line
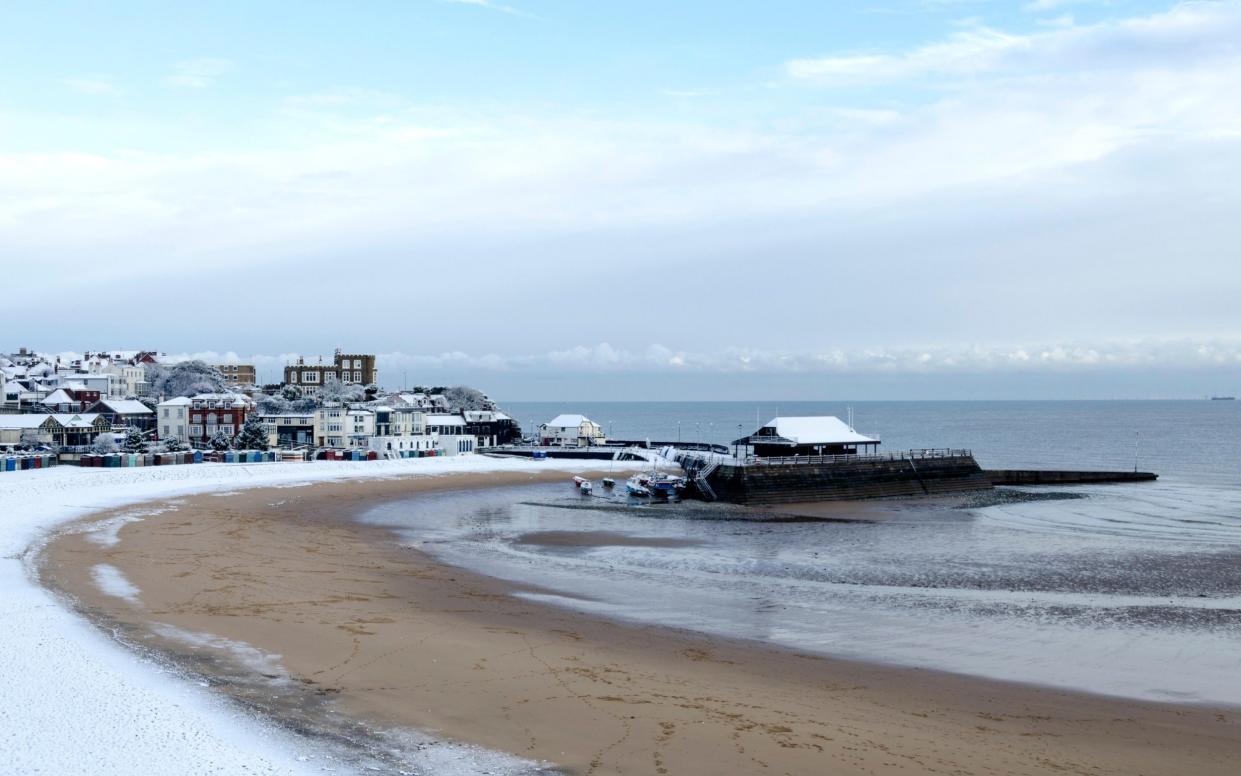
196 430
180 430
165 412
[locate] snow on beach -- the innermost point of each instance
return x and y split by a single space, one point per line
75 701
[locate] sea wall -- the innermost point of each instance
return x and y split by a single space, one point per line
839 481
1053 477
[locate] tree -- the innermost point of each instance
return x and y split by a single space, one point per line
253 434
334 390
134 441
463 397
104 444
291 393
186 378
220 442
173 445
31 439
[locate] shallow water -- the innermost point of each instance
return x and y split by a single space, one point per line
1111 593
1132 590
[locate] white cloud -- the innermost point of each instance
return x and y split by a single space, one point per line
198 73
603 358
1187 32
488 4
92 84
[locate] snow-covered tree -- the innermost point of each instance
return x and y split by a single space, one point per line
253 434
334 390
463 397
184 379
220 442
290 393
104 444
32 439
173 445
134 441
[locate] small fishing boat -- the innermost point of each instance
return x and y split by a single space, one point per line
635 487
665 485
586 487
579 481
608 482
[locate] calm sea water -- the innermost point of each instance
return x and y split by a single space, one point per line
1131 590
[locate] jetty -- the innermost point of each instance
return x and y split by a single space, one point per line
813 459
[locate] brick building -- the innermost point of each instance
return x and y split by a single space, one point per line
348 368
238 374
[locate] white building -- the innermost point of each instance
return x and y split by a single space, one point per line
450 434
400 431
571 431
172 419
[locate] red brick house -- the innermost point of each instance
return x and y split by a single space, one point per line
212 412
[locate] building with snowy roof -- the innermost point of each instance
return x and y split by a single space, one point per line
808 435
64 429
571 431
173 418
126 412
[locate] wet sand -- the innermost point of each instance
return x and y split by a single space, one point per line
280 601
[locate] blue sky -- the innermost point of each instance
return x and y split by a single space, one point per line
823 195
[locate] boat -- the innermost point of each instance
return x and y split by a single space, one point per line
579 481
635 487
1223 398
608 482
665 485
586 487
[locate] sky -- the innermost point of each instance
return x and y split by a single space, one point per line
606 200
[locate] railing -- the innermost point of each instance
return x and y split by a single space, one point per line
906 455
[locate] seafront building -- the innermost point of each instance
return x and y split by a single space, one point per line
571 431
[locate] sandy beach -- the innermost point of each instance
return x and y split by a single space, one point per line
279 600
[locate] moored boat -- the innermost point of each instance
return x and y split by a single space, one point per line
608 482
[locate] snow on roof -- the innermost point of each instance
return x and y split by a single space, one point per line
59 396
23 421
445 420
125 406
568 421
816 430
13 385
77 420
178 401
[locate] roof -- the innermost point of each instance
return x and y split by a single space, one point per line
59 396
445 420
813 430
77 420
23 421
125 406
568 421
179 401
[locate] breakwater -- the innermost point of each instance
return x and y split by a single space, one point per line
1063 477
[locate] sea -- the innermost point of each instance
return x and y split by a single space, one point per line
1131 590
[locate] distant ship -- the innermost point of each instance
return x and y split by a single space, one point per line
1223 398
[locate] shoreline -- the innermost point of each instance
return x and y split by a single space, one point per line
553 685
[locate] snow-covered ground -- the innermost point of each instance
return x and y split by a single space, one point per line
74 701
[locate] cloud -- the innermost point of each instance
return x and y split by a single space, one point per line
198 73
488 4
603 358
1187 32
92 84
